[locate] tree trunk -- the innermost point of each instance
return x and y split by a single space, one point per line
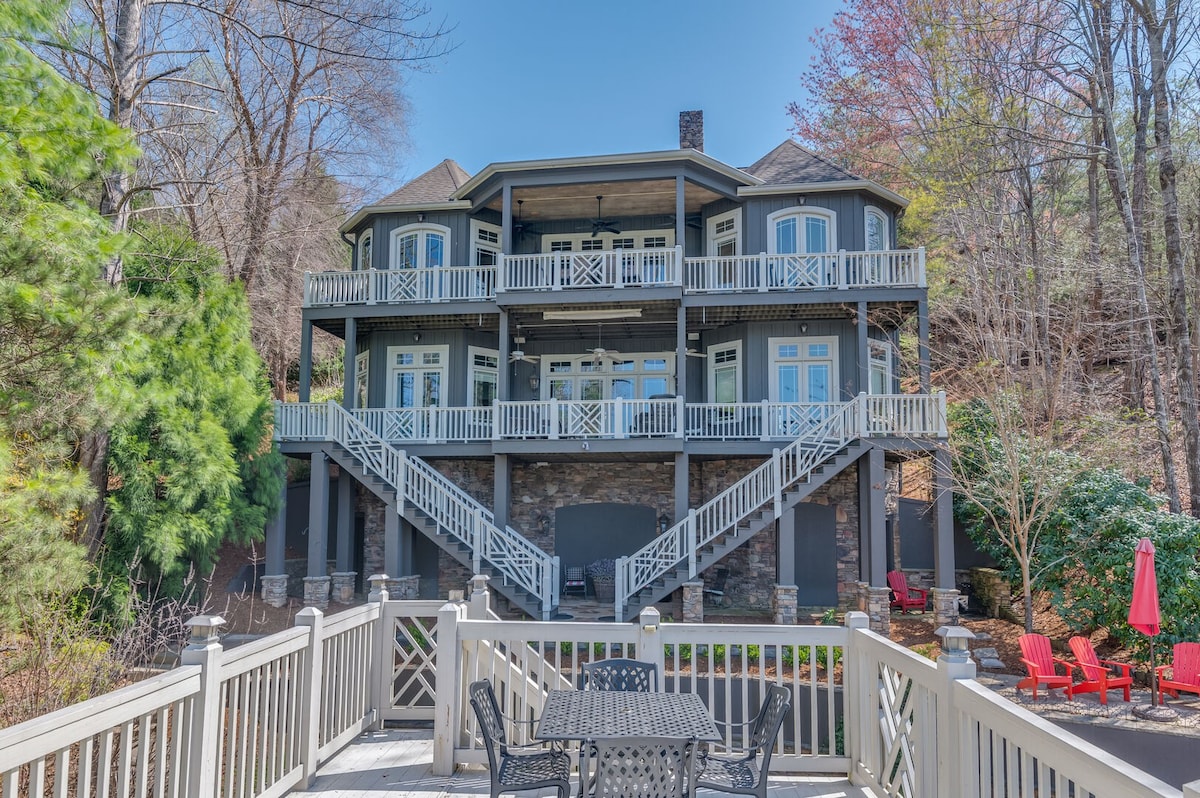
1100 22
1159 38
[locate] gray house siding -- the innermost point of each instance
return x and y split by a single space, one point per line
454 392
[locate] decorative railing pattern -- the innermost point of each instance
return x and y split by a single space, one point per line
614 268
611 418
374 286
722 514
408 645
903 268
621 268
399 425
425 488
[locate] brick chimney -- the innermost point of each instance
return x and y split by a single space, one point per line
691 130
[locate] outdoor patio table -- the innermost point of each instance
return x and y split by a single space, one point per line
591 714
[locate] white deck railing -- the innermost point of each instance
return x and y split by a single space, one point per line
621 268
614 268
902 268
375 286
455 511
897 415
257 721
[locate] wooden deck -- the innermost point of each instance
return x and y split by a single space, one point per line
396 763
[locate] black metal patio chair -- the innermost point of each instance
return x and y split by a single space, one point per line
514 772
621 675
745 773
642 767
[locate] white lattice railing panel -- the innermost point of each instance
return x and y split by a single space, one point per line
896 720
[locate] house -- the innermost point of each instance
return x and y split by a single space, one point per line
655 357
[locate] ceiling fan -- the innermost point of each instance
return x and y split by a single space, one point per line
520 229
602 225
693 220
518 354
696 353
599 353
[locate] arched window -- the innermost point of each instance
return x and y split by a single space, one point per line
419 246
364 250
877 238
800 230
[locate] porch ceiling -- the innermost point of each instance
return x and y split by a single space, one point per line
657 319
624 198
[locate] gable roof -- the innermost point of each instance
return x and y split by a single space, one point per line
791 163
436 185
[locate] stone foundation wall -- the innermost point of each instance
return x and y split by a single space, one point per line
372 509
537 491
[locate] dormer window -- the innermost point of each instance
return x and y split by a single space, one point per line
802 229
420 246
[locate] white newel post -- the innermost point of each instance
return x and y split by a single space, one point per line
480 599
310 686
449 690
857 711
955 663
380 674
649 643
204 741
619 589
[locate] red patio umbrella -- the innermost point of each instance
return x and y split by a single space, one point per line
1143 609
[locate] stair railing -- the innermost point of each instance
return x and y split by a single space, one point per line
450 507
721 514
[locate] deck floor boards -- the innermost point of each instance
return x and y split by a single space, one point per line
398 763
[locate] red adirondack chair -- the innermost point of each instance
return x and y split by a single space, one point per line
1185 671
904 597
1097 678
1040 662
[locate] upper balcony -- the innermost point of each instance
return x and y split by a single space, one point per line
570 272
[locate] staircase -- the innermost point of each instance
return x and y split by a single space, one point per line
741 511
443 512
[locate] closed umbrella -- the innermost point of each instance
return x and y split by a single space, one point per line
1143 609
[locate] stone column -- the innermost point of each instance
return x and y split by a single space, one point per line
945 606
693 602
863 595
316 591
274 590
343 586
785 604
879 611
403 588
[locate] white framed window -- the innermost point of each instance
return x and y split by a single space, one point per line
486 243
876 227
725 233
416 375
627 239
420 246
364 250
635 376
362 376
483 375
725 372
803 370
880 360
801 230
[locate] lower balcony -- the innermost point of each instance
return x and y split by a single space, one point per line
895 415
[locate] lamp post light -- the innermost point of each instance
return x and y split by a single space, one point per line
956 642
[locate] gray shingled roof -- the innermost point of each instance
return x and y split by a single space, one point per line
436 185
791 163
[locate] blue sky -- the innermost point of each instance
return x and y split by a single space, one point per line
539 79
